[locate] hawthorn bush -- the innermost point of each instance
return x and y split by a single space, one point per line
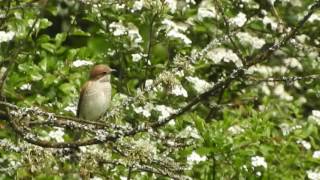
203 89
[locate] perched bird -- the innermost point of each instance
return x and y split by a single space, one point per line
95 95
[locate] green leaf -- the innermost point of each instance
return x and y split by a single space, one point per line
36 76
200 124
60 38
203 151
49 47
67 88
44 23
49 79
43 38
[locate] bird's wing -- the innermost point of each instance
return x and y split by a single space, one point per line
83 90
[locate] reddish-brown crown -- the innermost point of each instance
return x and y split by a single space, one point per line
100 70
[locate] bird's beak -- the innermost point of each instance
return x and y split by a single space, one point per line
113 70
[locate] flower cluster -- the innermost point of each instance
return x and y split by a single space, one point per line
257 161
6 36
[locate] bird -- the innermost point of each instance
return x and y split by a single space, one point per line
95 94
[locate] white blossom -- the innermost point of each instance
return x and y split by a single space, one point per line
96 178
314 17
267 71
218 55
172 122
172 4
9 145
315 117
272 1
79 62
179 73
246 38
57 134
148 84
257 161
264 70
236 129
293 63
137 5
145 110
176 34
206 13
120 6
189 132
101 135
142 111
2 14
297 3
2 71
239 20
6 36
111 52
190 2
267 20
175 30
296 127
199 85
305 144
302 38
136 57
179 90
94 149
265 89
313 175
280 91
285 129
316 154
245 168
71 108
26 86
134 35
165 111
195 158
117 28
146 147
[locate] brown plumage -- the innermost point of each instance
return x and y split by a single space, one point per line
95 94
100 70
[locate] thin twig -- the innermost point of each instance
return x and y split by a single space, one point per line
287 79
7 10
129 173
226 22
267 53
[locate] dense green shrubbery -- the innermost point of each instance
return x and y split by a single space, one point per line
203 89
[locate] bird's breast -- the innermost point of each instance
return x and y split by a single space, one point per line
96 100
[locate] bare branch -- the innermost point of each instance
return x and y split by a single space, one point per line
287 79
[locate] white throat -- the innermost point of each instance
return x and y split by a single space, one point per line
105 78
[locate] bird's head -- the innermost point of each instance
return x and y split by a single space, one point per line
101 72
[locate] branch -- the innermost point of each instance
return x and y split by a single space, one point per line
287 79
145 168
112 137
235 47
267 53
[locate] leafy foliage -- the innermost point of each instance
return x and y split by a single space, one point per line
203 89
